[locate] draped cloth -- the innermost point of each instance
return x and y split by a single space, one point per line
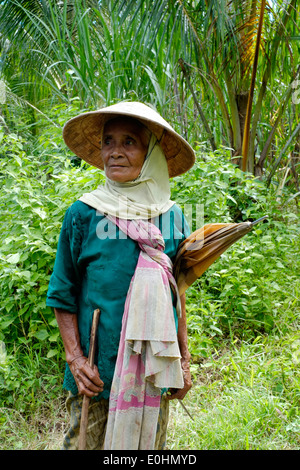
148 358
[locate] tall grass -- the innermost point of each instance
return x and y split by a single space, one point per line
246 399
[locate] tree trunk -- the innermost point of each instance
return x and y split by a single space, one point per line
241 100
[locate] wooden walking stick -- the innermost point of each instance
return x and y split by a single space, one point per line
86 399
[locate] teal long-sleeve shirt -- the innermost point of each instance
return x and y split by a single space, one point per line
93 268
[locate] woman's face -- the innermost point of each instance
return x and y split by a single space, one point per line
124 148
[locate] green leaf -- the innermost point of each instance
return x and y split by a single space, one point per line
41 334
4 324
54 338
52 353
13 259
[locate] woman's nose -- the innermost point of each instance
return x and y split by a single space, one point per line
116 151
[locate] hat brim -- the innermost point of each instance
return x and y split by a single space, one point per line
82 134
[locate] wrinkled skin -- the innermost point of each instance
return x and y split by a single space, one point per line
123 150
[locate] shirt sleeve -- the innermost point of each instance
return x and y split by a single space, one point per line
65 279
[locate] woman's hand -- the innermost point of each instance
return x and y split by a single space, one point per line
180 393
87 379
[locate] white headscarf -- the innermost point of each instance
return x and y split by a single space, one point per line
146 197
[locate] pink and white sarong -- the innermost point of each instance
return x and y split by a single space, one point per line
148 357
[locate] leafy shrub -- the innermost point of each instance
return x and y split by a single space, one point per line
249 288
225 193
36 192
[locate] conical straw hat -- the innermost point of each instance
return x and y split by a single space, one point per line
83 133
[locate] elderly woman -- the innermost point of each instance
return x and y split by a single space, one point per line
115 253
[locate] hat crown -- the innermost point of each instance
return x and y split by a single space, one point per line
138 110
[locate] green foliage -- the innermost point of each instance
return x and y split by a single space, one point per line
87 54
34 197
101 53
245 397
225 193
241 313
249 289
